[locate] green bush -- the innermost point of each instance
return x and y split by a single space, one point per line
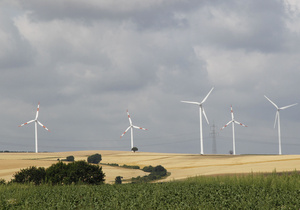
96 158
2 182
159 171
131 167
156 172
118 180
56 173
31 174
148 168
76 172
62 173
70 158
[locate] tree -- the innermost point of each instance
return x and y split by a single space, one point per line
62 173
118 180
159 170
96 158
31 174
148 168
75 172
56 173
2 182
70 158
134 149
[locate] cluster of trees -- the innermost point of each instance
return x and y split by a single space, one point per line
62 173
96 158
156 172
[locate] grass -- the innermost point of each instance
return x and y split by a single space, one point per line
273 191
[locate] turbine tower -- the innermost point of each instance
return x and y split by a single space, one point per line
201 111
35 130
277 118
233 134
131 126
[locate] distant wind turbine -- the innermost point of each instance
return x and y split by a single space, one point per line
201 111
35 131
131 126
233 134
277 118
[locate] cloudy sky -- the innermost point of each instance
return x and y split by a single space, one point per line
86 62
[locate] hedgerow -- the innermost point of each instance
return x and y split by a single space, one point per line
62 173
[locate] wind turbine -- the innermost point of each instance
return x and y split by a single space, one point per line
277 118
131 126
201 111
35 131
233 135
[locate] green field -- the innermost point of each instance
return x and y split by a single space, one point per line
274 191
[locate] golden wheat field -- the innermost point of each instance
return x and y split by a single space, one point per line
180 165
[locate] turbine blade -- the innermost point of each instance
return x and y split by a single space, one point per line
27 123
207 96
232 116
226 125
130 122
190 102
288 106
276 117
240 123
205 115
271 102
125 131
145 129
37 111
43 125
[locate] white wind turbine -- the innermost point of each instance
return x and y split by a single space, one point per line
233 134
35 131
201 111
277 118
131 126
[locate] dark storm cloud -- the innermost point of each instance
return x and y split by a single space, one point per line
87 62
16 52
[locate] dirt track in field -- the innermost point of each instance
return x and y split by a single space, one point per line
180 165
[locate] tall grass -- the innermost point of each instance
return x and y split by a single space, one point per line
275 191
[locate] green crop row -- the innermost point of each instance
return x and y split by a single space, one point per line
275 191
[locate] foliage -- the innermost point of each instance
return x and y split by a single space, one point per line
132 167
157 172
62 173
118 180
76 172
134 149
70 158
56 173
96 158
30 175
2 181
224 192
110 164
148 168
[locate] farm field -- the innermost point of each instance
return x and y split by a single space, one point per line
251 191
181 166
